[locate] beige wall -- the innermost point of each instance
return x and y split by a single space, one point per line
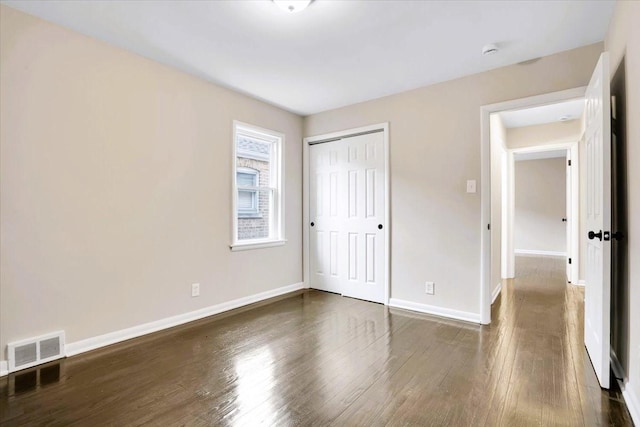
546 134
623 41
116 187
434 149
540 205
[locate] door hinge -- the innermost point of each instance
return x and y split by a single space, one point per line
569 260
569 162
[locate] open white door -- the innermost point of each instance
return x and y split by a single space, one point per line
568 217
598 205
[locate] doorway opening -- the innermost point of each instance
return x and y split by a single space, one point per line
535 182
523 116
595 206
542 209
535 187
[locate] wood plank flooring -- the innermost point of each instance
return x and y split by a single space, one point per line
315 359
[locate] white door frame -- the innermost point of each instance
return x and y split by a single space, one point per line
485 189
384 127
573 248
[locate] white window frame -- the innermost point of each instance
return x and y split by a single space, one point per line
276 188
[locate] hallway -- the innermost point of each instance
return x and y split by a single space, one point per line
316 358
543 348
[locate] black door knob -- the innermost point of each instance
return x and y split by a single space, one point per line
312 224
379 226
593 235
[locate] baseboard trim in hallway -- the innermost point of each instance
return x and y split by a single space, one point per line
435 310
632 401
93 343
496 292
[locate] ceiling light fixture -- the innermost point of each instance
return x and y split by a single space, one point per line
489 49
292 6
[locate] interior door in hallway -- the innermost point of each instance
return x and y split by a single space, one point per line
568 219
347 212
598 218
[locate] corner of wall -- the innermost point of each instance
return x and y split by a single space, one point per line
496 292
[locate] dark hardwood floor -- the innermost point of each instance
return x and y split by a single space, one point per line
316 358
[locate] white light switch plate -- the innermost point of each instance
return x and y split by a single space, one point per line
471 186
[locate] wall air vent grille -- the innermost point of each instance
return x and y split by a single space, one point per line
26 354
50 348
35 351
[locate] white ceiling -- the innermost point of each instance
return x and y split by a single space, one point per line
543 114
334 53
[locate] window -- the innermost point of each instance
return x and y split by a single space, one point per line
247 198
258 191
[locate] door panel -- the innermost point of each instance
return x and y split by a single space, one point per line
568 218
324 210
347 210
598 220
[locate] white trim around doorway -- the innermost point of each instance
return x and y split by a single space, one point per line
384 127
485 150
573 246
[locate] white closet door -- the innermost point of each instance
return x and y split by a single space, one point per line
347 236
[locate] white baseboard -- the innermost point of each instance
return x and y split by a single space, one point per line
580 283
632 401
82 346
539 253
432 309
496 292
158 325
630 398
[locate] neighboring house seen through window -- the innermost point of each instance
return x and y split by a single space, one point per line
257 187
247 180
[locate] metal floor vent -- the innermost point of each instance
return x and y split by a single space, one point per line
34 351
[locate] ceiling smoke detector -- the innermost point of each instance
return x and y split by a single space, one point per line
489 49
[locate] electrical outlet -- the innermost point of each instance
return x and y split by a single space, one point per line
195 289
430 288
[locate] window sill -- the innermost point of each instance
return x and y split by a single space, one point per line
256 245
